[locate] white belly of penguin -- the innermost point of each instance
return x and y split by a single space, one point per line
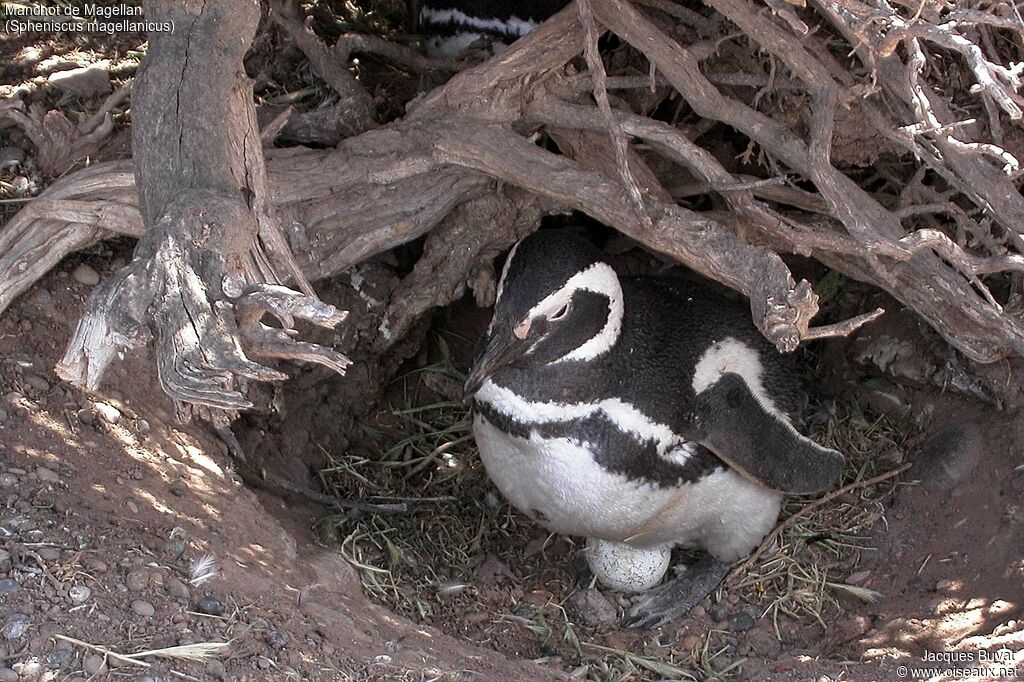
557 483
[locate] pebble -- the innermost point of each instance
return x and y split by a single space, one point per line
79 594
137 580
740 622
177 589
764 643
16 626
47 475
37 382
143 608
8 480
108 413
858 577
8 586
92 664
216 670
210 605
8 675
591 608
59 658
691 642
96 565
86 417
276 639
948 456
84 274
20 184
5 560
143 426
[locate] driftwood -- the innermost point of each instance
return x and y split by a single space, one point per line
210 262
948 222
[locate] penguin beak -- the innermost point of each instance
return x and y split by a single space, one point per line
503 349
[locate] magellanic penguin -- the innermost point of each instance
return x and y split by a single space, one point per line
452 26
640 410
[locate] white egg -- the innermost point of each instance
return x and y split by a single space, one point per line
621 567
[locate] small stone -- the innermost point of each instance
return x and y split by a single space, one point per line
86 417
8 586
591 608
108 413
93 664
264 663
132 507
38 383
8 480
8 675
177 589
143 426
740 622
143 608
5 560
20 184
84 274
691 642
137 580
15 627
276 639
88 81
59 658
210 606
47 475
857 578
96 565
216 670
764 643
79 594
948 456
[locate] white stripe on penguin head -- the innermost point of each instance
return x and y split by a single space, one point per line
501 283
599 278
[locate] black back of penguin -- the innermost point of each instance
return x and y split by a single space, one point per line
452 24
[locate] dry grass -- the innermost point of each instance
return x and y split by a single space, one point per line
424 564
801 575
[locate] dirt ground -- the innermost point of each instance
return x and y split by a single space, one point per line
106 501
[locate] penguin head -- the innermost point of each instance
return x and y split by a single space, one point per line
558 300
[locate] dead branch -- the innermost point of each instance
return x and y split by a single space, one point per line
210 227
433 173
355 107
60 143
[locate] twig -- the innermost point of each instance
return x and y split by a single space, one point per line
199 652
103 650
619 141
844 328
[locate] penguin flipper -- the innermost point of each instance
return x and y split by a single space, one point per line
733 423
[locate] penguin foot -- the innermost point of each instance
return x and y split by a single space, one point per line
676 597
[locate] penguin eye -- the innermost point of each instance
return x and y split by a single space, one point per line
560 313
